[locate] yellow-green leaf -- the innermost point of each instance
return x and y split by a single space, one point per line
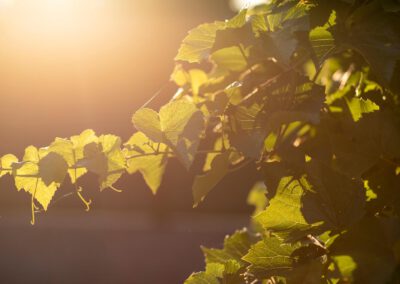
203 184
6 163
149 161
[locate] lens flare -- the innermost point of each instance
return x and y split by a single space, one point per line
243 4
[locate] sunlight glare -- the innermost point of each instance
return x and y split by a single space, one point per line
6 3
243 4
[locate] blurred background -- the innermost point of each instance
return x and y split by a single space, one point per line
68 65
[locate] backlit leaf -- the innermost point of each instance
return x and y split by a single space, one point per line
203 184
148 158
6 163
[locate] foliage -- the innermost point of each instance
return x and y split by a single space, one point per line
307 91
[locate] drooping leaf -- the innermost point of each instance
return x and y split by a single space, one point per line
148 158
248 133
27 177
203 184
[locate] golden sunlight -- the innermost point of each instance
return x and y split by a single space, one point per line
243 4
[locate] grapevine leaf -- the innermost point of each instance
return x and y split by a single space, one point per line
374 33
309 272
269 258
180 76
370 244
332 197
345 265
53 168
218 146
148 121
6 163
179 125
284 215
230 59
321 39
359 106
248 133
198 44
203 184
105 159
149 161
182 124
355 145
72 150
197 78
257 197
213 272
235 247
27 177
385 183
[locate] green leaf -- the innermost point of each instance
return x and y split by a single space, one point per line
370 244
179 125
148 121
309 272
235 247
203 184
197 78
230 59
248 133
284 215
345 265
355 146
198 44
72 150
385 183
27 177
359 106
180 76
269 258
213 272
332 197
257 197
321 39
374 33
6 163
182 124
148 158
53 168
105 159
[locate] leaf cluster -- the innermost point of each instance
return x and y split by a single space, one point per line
308 92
